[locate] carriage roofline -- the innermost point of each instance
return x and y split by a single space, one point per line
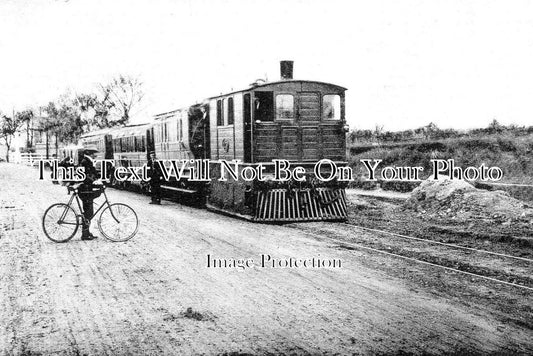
96 133
171 112
165 114
111 130
130 130
252 87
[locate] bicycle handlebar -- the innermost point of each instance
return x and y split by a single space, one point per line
74 188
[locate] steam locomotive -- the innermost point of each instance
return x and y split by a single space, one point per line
300 121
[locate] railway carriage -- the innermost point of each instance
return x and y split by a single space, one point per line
130 148
102 140
126 146
183 135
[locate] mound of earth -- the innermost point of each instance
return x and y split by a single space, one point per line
460 200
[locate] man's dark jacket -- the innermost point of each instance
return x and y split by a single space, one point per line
91 174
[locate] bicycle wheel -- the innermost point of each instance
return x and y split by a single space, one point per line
118 222
60 222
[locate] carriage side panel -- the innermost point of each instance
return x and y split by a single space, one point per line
213 139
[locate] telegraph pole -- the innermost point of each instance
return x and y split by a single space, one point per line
46 131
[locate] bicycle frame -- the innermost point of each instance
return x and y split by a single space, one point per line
75 194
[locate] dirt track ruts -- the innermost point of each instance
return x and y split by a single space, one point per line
98 297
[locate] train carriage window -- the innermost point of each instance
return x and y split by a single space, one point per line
331 107
284 106
231 114
180 130
264 106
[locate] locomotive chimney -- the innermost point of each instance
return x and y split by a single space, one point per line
286 69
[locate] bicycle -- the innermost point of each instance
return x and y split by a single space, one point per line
117 222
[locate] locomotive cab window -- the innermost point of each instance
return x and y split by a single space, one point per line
264 106
284 106
331 107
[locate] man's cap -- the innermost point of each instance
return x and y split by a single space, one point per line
90 148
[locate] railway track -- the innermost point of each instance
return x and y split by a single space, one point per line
510 270
446 244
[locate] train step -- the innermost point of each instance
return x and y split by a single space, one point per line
181 190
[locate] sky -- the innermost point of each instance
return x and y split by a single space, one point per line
459 64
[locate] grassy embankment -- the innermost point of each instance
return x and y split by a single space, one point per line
513 154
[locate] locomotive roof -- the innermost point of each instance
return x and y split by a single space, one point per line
266 84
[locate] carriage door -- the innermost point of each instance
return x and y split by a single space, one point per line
247 117
309 123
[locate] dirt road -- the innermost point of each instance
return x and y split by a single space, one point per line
156 295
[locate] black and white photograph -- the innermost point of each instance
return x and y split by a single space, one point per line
246 177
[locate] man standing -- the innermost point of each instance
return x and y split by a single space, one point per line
86 192
155 179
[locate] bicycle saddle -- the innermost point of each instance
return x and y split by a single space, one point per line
73 188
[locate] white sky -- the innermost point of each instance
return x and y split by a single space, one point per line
457 63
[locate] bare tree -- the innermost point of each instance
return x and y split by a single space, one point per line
26 117
113 103
124 92
8 128
64 119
